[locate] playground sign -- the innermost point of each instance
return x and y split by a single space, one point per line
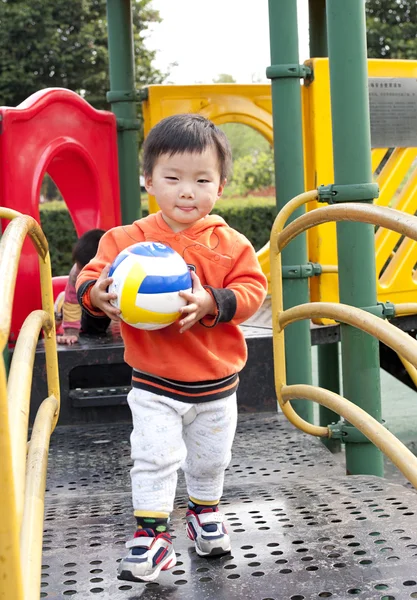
393 111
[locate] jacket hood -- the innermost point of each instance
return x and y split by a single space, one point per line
203 227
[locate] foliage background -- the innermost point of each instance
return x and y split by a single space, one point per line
392 28
61 43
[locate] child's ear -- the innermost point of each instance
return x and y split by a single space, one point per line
148 184
221 188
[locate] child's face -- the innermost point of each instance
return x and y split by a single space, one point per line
186 186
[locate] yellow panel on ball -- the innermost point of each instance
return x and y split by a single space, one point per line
135 314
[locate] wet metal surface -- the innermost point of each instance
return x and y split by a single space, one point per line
300 529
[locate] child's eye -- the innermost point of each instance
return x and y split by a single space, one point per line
203 181
172 178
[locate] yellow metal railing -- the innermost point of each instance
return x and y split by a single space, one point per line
401 342
23 465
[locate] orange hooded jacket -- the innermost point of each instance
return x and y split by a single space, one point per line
213 349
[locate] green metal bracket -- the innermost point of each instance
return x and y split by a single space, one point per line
356 192
388 309
127 124
384 310
348 433
289 70
301 271
121 96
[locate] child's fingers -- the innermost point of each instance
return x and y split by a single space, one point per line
196 281
189 296
113 314
187 326
188 321
109 296
104 283
188 308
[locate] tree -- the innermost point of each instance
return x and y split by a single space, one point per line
392 28
61 43
224 78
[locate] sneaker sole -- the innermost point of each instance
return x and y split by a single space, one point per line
213 552
125 575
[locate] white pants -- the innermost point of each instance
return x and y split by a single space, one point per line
168 434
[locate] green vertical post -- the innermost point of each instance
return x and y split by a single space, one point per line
329 379
328 354
122 97
289 174
317 28
355 241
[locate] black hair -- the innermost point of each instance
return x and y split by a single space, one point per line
186 133
86 246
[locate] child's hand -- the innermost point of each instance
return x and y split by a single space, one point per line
100 297
67 339
200 304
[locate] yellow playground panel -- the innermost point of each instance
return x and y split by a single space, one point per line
397 177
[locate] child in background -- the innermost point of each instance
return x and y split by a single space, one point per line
67 309
185 377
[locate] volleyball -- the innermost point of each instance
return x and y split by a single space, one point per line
147 278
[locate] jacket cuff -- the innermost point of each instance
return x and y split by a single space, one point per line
225 306
83 296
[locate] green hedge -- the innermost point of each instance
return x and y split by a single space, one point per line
252 217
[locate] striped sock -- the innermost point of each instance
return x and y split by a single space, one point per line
199 506
157 524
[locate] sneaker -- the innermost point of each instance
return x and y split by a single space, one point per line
206 529
149 554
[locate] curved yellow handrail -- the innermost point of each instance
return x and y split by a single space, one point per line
10 248
23 479
383 216
390 335
407 308
395 450
10 569
19 388
283 216
33 516
398 340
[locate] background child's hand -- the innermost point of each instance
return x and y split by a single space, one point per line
200 304
100 297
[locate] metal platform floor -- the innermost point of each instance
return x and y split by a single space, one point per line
301 529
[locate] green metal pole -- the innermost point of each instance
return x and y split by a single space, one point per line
289 171
317 28
328 354
122 97
355 241
328 359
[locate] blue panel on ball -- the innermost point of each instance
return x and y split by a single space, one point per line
155 249
156 284
119 258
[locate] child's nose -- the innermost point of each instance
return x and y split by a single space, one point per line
187 192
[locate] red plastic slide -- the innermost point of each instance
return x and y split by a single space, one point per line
55 131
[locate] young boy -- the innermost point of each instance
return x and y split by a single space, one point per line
67 309
185 377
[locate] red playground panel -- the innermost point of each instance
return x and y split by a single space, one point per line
55 131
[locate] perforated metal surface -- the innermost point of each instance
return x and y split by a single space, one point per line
300 529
